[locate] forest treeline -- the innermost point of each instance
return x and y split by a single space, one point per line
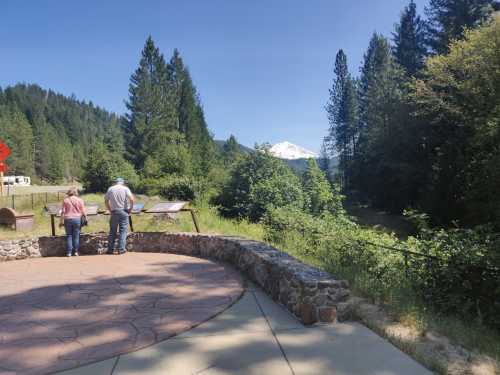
420 127
162 140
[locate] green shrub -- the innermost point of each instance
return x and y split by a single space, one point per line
171 187
464 278
103 167
258 182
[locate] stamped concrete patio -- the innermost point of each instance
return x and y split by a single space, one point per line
58 313
104 309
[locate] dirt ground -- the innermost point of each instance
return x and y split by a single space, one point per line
379 220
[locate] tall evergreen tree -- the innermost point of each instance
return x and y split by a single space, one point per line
382 164
151 105
324 158
409 40
342 115
190 117
447 19
320 197
231 150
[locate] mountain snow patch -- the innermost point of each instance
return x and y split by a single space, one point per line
287 150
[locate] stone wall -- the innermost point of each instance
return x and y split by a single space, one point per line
19 249
312 295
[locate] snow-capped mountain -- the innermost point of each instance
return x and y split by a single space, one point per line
287 150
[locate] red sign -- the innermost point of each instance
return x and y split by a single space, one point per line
3 167
4 151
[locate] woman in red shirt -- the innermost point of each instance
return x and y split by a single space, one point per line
72 211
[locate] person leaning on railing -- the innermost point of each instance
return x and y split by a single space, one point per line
73 208
119 201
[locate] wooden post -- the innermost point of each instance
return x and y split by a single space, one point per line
1 184
46 197
53 224
13 202
195 220
130 222
32 202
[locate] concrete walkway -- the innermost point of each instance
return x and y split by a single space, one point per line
258 337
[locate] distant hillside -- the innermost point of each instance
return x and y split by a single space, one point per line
298 165
50 134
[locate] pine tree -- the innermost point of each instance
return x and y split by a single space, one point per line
320 197
447 20
409 40
384 117
324 158
342 115
151 105
190 117
17 134
231 150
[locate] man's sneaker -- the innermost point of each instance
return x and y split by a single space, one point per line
77 254
68 254
122 252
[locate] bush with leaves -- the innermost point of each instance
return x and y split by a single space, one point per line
258 182
171 187
103 167
321 197
463 277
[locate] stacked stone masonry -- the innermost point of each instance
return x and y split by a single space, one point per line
310 294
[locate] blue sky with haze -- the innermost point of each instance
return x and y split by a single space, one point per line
263 68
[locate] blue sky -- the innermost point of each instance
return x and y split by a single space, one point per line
263 67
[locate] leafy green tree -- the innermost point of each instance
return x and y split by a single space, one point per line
231 150
458 97
320 197
409 40
258 182
448 19
171 155
103 167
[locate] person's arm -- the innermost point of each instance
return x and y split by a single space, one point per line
61 219
84 212
106 202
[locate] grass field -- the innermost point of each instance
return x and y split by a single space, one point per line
37 189
209 221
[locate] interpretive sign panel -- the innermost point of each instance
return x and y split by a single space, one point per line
91 208
53 208
137 209
167 207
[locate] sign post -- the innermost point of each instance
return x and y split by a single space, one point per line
4 154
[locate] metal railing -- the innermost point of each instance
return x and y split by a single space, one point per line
30 201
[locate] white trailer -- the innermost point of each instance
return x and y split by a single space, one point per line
16 181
